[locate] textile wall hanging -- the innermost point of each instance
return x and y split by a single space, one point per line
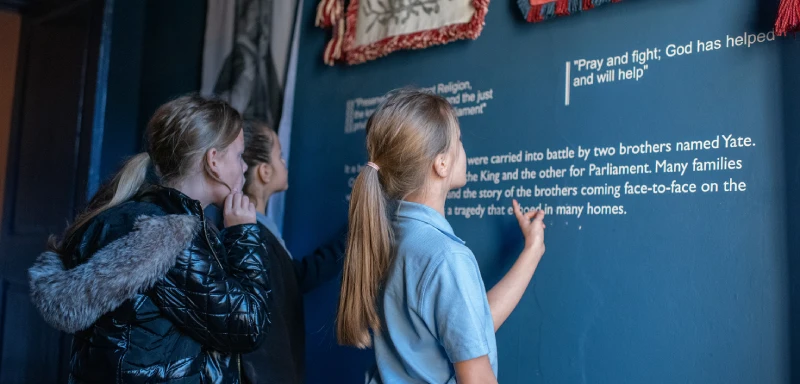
368 29
238 65
539 10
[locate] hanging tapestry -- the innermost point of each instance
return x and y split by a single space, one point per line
238 64
368 29
539 10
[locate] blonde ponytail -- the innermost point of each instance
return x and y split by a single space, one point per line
122 187
128 181
369 253
178 135
404 135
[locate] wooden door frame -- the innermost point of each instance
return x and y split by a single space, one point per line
88 147
88 164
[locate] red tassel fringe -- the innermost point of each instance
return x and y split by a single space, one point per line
323 19
333 15
788 18
535 14
562 7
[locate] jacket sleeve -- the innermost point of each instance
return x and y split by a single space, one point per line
222 301
322 265
247 257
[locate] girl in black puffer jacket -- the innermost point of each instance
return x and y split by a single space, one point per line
151 292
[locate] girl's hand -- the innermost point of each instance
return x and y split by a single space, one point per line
238 210
532 226
505 295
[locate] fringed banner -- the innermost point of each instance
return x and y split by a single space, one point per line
539 10
788 18
330 14
374 28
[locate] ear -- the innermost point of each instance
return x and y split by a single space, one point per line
264 172
441 166
213 159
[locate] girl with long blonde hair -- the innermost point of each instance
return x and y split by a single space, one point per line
411 289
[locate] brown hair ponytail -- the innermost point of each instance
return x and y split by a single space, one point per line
368 257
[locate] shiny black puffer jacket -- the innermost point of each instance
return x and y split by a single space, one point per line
154 294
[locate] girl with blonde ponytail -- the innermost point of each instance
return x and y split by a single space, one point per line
411 289
149 290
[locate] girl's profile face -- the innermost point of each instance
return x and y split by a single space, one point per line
458 178
280 174
231 167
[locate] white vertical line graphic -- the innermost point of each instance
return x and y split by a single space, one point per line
566 87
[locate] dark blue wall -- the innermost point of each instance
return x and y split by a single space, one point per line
696 288
122 131
173 52
156 55
791 135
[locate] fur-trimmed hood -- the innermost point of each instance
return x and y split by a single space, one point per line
71 300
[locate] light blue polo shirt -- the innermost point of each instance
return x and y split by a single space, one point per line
434 309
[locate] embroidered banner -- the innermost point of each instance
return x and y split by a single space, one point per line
370 29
